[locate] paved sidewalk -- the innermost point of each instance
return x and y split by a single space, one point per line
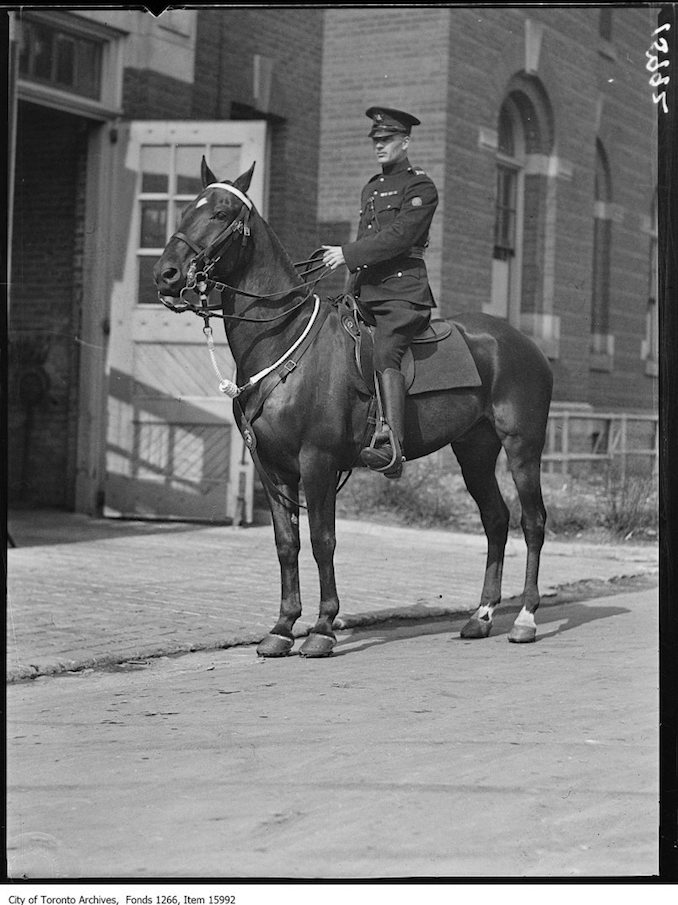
93 592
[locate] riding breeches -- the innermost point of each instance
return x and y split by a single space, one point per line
397 323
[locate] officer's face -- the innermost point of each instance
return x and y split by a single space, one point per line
390 149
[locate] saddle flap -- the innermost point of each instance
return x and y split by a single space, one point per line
424 369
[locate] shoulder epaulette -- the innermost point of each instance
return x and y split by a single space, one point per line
418 171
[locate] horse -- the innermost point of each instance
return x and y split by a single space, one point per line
309 425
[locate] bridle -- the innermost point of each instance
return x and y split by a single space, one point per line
198 275
198 280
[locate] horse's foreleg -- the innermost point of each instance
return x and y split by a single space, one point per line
320 489
524 463
285 514
477 456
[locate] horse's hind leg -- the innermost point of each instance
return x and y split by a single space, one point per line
524 459
477 455
280 640
320 477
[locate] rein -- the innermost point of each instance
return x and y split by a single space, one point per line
200 282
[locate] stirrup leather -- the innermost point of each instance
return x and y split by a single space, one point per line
384 444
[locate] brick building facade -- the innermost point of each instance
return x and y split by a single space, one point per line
570 87
547 110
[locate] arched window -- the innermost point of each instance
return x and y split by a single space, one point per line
507 215
521 266
602 340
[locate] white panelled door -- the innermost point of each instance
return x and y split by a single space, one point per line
173 450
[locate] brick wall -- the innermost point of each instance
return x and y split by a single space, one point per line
46 289
227 41
452 67
628 131
223 88
380 56
152 95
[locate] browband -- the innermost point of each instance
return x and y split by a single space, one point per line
233 190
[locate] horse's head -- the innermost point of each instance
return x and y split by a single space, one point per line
213 231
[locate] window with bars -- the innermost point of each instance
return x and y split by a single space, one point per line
170 178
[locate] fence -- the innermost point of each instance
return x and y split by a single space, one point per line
577 442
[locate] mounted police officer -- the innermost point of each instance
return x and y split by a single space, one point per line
389 273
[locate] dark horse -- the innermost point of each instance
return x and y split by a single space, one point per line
310 427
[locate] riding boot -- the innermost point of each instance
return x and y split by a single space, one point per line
385 452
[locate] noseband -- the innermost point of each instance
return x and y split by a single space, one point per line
197 277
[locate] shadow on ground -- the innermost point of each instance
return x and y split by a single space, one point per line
574 614
28 528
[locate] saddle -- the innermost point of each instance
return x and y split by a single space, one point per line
438 358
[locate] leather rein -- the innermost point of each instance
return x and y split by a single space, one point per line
199 281
198 276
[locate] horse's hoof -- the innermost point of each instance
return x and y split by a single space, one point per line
522 634
317 646
476 628
275 646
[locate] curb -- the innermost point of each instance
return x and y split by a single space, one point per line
585 589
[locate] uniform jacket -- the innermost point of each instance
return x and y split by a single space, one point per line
397 208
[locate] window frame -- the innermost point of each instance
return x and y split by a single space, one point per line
601 341
47 93
513 164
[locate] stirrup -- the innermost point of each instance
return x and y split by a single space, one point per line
394 467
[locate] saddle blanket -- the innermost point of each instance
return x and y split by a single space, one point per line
442 365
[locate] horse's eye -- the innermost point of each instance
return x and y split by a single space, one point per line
219 215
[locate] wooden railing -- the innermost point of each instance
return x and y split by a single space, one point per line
600 439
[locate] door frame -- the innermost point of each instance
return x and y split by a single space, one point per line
103 172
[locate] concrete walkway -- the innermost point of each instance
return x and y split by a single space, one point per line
93 592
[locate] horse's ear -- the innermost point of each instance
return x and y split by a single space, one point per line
206 174
243 182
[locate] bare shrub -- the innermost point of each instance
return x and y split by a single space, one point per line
432 494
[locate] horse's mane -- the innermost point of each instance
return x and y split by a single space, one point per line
278 247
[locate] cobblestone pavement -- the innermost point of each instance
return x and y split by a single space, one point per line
93 592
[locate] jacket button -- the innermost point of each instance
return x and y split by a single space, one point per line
400 273
369 226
